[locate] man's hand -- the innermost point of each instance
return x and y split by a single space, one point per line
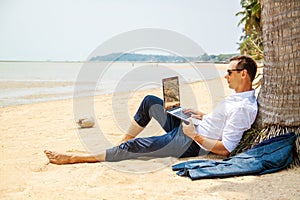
189 129
195 114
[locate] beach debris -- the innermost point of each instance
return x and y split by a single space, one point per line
86 122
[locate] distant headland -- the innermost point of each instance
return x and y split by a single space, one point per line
132 57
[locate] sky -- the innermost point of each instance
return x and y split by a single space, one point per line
72 29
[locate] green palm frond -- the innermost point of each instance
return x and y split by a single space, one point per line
251 21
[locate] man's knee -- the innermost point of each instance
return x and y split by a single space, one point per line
150 104
151 99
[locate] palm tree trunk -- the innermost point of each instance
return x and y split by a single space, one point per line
279 97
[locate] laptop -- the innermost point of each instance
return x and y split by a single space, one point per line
171 96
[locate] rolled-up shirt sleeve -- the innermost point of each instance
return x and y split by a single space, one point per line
238 121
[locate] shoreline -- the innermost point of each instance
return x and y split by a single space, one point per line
19 87
56 96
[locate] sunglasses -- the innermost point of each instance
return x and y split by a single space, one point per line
229 71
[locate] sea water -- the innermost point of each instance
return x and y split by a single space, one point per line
30 82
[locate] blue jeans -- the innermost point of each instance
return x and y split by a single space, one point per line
172 144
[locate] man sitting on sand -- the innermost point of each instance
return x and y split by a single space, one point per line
218 132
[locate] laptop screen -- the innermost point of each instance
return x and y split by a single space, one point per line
171 92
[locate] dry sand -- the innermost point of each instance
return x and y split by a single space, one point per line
25 173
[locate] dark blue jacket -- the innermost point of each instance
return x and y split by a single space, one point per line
266 157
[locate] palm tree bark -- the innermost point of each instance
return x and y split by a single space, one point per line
279 97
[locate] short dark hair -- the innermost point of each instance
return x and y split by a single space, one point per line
246 62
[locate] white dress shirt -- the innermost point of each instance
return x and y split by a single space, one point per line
230 119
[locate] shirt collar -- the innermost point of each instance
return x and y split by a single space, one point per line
246 94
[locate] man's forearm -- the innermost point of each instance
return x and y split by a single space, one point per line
215 146
212 145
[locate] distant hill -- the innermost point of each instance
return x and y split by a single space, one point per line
131 57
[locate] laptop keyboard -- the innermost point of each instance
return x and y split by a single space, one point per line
183 115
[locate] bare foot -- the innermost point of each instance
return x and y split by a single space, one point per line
58 158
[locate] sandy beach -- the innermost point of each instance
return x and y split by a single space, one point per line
27 130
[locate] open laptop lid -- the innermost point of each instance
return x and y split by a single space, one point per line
171 92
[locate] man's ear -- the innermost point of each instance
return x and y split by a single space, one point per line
244 73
